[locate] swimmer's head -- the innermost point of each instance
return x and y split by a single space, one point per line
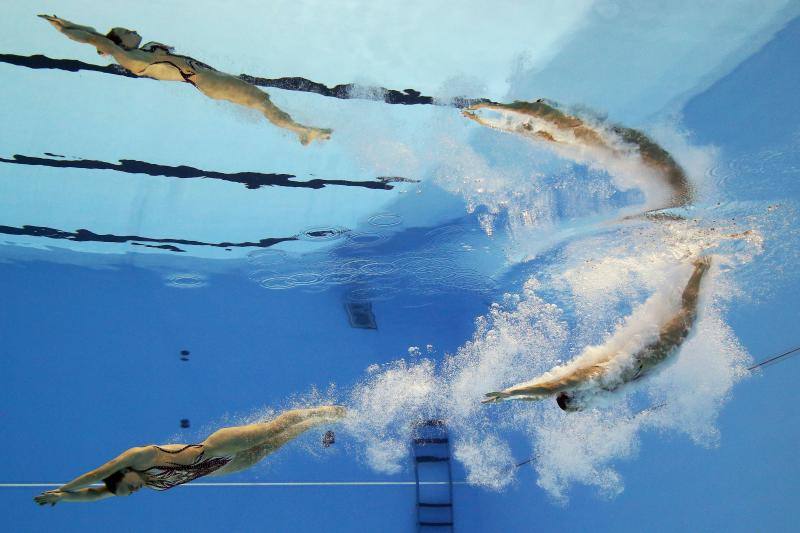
124 482
568 402
127 39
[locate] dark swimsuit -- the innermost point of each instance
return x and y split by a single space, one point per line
166 476
192 62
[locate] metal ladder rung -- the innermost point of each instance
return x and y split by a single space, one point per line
432 441
432 423
434 513
431 459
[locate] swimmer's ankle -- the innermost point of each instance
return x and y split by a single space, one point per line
335 412
310 134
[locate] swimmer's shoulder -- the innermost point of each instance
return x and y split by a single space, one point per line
135 59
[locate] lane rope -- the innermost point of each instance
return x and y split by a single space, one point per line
346 91
774 359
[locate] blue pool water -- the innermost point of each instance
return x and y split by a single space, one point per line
141 219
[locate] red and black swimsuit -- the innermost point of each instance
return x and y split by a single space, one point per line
166 476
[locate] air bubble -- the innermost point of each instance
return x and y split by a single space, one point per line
323 233
359 240
378 269
186 280
277 283
383 220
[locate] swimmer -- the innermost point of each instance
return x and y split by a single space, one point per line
607 368
158 61
226 451
573 138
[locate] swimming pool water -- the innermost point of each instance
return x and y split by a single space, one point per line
140 219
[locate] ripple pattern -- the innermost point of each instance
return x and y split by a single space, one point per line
186 280
367 273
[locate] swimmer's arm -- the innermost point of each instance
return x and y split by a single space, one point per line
83 34
556 385
91 494
131 458
87 495
64 24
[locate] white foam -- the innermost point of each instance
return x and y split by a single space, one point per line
492 459
507 342
691 391
579 448
612 284
383 409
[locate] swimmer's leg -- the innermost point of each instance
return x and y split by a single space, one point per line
293 425
294 431
221 86
247 458
692 290
319 415
282 119
273 434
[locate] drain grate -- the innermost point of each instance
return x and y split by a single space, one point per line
360 315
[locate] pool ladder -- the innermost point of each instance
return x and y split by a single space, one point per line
431 449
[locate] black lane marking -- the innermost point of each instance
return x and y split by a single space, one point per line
350 91
252 180
395 179
346 91
168 247
39 61
83 235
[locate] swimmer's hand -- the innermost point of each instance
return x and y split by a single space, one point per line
58 23
55 21
50 497
495 397
63 24
479 105
469 112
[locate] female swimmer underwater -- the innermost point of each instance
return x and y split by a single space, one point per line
226 451
158 61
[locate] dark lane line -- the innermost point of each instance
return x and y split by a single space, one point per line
346 91
39 61
252 180
83 235
352 91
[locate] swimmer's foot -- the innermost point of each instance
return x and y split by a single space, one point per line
312 134
702 263
339 412
332 413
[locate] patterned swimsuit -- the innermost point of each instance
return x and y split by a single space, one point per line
166 476
193 63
